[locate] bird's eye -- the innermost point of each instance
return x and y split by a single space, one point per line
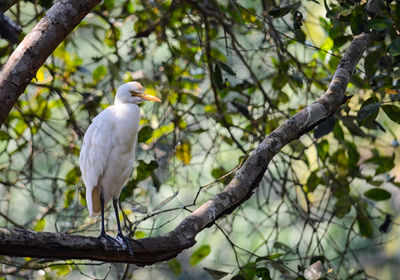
133 93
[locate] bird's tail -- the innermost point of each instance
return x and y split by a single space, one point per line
93 202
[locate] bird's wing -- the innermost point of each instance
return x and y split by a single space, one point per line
95 151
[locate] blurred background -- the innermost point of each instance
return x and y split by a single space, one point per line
228 73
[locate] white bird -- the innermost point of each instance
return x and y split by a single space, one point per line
108 152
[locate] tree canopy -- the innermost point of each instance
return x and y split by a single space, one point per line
275 145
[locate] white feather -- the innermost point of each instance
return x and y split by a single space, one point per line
108 151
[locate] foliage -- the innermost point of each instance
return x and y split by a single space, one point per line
228 72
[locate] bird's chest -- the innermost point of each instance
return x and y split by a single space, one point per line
125 132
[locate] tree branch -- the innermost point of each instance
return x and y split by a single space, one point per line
36 47
248 177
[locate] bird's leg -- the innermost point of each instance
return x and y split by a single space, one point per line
103 235
124 239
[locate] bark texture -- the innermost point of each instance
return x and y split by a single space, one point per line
247 178
36 47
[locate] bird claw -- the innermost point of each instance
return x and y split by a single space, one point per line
104 238
125 242
119 242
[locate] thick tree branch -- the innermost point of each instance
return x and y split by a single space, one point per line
248 177
9 30
36 47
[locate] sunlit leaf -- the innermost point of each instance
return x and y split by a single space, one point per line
99 73
198 255
160 131
183 152
61 269
40 224
140 234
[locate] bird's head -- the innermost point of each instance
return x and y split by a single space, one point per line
133 92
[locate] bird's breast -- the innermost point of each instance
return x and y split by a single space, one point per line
127 126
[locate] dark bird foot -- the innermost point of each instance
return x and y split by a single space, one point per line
125 242
104 238
120 242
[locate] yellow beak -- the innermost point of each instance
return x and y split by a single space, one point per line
148 97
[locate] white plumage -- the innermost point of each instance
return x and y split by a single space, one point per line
108 153
108 150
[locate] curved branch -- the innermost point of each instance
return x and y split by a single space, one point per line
248 177
36 47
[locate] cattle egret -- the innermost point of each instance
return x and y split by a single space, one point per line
108 152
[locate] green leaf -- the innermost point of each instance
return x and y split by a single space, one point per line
62 269
40 225
394 48
338 132
144 169
323 150
312 182
384 164
140 234
364 224
393 112
99 73
379 24
353 155
183 152
199 254
368 111
377 194
342 206
300 35
4 135
226 68
218 77
145 134
175 266
270 257
69 196
160 131
280 12
108 4
46 3
72 177
215 274
263 273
